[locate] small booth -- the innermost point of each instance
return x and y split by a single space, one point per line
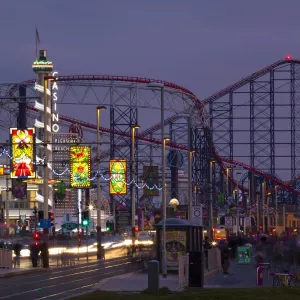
181 238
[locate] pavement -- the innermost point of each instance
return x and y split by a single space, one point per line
240 276
19 271
135 282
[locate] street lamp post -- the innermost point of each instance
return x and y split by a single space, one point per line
45 165
211 212
190 186
227 181
161 86
190 164
7 194
164 205
132 170
276 210
99 252
238 174
263 196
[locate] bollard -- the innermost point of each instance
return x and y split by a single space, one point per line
153 276
259 276
266 266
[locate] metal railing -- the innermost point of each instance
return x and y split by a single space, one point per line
6 258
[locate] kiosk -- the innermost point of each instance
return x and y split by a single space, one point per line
181 238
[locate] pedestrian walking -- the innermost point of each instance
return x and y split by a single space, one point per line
17 251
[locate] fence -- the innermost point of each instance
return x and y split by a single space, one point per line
6 258
213 260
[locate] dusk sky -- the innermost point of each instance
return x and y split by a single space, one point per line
201 45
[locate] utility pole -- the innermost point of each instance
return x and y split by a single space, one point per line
7 193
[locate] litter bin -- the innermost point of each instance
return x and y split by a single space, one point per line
196 269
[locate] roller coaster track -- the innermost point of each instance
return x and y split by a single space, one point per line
199 105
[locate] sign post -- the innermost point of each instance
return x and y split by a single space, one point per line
244 255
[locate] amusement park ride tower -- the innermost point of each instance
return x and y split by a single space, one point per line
43 68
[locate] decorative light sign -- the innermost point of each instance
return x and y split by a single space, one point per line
4 170
80 160
55 117
118 171
22 153
40 106
39 181
42 66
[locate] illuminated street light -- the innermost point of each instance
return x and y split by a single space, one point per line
99 252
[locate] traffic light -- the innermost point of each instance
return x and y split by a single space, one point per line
241 228
85 218
109 226
40 215
136 229
79 239
51 218
36 236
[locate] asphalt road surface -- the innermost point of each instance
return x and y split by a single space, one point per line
60 283
55 261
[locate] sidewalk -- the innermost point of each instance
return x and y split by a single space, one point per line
18 271
241 276
137 282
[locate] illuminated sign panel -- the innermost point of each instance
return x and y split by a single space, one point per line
150 174
118 171
22 153
4 170
55 117
80 160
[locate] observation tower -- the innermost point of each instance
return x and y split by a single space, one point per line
43 69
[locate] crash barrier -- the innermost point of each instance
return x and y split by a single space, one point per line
6 258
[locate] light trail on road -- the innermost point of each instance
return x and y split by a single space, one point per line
54 284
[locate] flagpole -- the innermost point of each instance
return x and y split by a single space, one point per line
37 42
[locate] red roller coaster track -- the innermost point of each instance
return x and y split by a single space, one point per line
198 104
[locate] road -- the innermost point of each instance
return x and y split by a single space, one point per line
54 260
60 283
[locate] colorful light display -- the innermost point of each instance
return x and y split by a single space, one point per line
4 170
42 65
118 171
40 181
80 159
22 153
